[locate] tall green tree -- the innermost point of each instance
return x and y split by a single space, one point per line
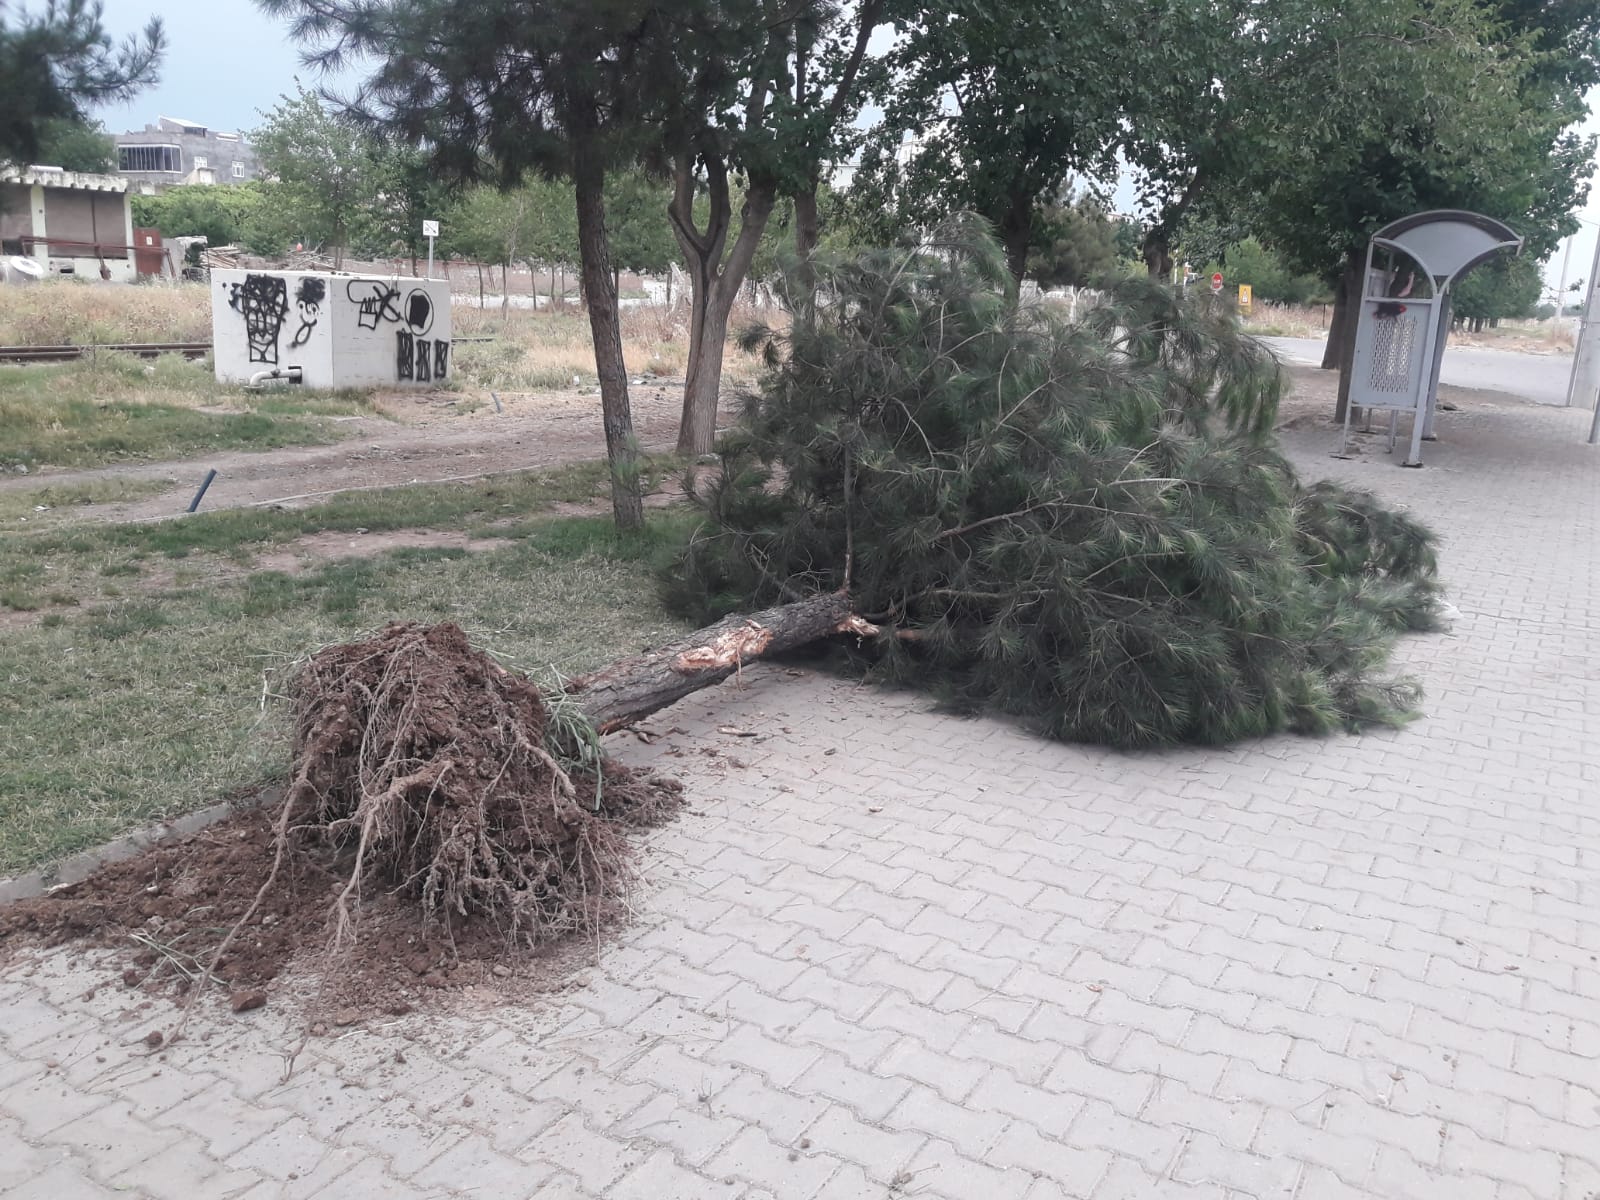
636 212
321 165
762 96
76 145
491 225
1074 244
57 64
1454 110
1506 287
1004 102
405 192
506 89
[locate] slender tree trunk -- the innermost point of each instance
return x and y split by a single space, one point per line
714 283
807 233
1340 327
594 253
480 287
552 287
1016 226
505 288
1350 292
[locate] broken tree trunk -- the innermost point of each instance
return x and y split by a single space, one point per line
629 690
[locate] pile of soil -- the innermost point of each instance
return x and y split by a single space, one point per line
439 830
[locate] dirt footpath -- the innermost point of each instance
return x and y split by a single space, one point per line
426 440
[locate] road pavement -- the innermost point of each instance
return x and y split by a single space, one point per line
1541 378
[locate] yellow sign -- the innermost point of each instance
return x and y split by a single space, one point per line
1244 295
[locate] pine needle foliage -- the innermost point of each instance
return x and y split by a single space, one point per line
1087 524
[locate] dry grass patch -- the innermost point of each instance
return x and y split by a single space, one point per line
65 312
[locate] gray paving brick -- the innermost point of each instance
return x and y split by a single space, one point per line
1276 970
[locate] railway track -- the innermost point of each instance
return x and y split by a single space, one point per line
52 354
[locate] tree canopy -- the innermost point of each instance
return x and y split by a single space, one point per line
57 64
1003 101
76 145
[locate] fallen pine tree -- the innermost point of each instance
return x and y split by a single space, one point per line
1088 524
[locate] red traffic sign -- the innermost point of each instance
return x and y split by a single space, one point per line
1216 282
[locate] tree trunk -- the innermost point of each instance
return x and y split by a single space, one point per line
505 288
594 253
1157 254
1350 292
1016 226
552 287
714 282
807 233
480 288
629 690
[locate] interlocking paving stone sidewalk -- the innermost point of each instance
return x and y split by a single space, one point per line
897 953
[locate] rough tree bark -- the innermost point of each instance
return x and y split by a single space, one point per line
594 252
715 275
1350 293
1016 227
629 690
1157 254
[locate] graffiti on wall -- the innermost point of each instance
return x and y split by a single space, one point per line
263 301
417 358
375 301
308 298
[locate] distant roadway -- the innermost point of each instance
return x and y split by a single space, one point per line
1541 378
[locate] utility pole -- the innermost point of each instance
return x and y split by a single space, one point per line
1561 291
1583 387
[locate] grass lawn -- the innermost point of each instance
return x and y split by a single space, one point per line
116 408
148 701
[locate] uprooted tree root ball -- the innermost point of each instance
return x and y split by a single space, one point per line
439 809
449 776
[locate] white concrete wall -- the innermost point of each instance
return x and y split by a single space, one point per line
377 321
342 331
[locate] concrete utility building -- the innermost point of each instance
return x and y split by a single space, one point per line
330 331
174 151
69 222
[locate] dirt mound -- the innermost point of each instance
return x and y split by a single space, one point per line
443 826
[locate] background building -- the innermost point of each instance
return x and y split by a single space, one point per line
72 223
172 152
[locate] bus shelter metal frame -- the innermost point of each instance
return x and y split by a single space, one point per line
1400 340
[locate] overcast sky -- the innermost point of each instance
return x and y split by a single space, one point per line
227 61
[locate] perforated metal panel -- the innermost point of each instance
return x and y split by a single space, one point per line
1393 342
1390 347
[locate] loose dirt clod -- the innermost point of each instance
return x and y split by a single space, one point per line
438 819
